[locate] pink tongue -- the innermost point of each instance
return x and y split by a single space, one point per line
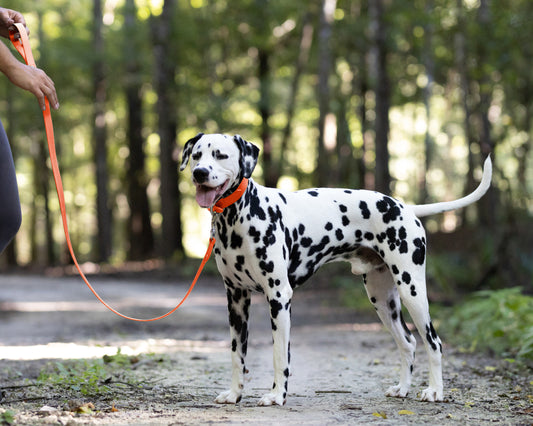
205 197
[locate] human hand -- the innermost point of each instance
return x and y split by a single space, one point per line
37 82
8 18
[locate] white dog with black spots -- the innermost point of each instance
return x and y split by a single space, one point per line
272 241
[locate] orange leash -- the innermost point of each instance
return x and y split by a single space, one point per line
22 45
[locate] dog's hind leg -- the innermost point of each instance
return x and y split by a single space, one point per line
383 294
238 307
415 300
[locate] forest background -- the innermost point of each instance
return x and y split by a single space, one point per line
405 97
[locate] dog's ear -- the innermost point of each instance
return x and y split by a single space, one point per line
249 155
189 145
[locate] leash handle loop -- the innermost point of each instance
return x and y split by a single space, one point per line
22 45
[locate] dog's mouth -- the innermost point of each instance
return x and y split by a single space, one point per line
207 196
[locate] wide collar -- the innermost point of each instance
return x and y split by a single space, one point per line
221 204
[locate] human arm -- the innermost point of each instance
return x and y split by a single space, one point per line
28 78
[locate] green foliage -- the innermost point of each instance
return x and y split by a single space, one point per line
88 377
499 321
215 51
353 293
450 270
7 417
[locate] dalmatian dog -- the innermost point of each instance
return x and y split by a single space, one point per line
272 241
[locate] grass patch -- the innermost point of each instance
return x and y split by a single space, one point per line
86 378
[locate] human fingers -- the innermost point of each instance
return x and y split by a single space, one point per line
36 81
8 19
45 87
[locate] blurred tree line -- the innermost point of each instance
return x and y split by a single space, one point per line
405 97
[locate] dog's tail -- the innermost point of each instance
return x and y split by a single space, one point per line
435 208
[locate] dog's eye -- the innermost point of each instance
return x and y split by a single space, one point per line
196 156
220 156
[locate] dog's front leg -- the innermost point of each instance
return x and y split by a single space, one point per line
238 307
280 316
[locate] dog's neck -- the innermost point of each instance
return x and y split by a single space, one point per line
227 201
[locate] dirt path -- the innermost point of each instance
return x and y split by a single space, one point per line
341 364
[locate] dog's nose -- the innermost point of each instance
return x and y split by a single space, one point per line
200 175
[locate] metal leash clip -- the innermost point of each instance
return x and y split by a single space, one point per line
213 217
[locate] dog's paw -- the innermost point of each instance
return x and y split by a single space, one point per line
228 397
432 395
272 398
397 391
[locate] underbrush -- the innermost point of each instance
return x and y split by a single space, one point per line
496 321
77 378
80 385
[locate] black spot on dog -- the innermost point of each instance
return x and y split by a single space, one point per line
239 263
255 207
406 278
313 193
236 240
275 307
267 267
369 236
255 234
306 242
339 234
419 255
320 246
329 226
270 237
261 252
343 208
431 336
405 328
389 208
363 206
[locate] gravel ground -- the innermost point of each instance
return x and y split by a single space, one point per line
342 362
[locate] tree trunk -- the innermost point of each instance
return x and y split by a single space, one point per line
428 92
139 227
488 205
324 68
461 63
303 56
381 86
265 112
103 211
166 112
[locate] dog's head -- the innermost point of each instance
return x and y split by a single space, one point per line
218 163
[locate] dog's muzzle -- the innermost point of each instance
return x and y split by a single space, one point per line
207 196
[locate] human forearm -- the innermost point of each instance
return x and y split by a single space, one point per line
28 78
